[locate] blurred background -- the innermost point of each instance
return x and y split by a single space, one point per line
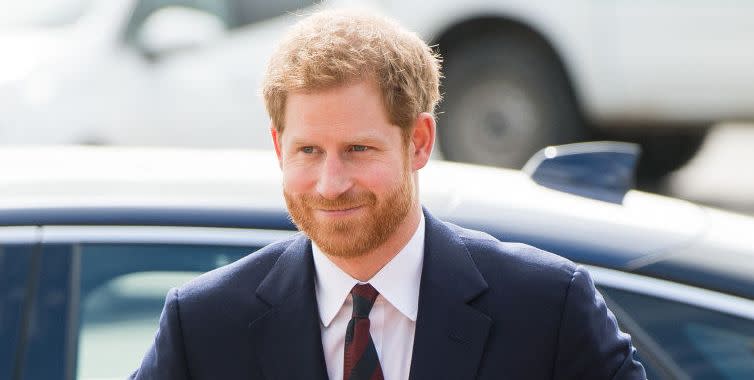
675 77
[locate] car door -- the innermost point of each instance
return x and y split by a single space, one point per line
102 289
682 332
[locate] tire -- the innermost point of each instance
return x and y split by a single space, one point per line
506 97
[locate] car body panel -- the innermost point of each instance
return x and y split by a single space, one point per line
149 186
720 258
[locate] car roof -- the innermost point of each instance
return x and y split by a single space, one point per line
76 185
79 176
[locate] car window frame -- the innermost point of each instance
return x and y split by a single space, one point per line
658 360
673 291
28 237
710 300
135 19
74 236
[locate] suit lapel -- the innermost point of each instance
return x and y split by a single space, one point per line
288 337
450 334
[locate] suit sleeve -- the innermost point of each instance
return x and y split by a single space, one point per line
590 344
166 357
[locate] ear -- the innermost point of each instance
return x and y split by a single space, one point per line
422 140
276 140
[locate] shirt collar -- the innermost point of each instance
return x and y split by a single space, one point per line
397 282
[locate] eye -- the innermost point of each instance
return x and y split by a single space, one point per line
308 149
359 148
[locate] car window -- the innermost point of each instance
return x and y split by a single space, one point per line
704 343
259 10
144 8
44 13
122 290
14 273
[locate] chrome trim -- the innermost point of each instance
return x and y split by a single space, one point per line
695 296
161 235
19 235
704 298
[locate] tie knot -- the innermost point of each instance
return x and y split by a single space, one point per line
363 299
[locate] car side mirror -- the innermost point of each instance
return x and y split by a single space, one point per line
603 170
174 29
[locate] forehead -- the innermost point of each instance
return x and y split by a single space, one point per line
347 100
348 110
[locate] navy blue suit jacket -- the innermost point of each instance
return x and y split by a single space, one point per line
487 310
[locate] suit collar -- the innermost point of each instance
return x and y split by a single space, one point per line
397 282
287 337
450 334
446 327
292 273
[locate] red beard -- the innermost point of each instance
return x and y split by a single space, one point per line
352 236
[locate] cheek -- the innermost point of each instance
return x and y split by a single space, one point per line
298 180
380 178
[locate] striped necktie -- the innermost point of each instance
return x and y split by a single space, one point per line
361 361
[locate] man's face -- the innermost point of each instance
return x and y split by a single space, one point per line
346 176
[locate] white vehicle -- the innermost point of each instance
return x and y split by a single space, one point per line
520 74
136 72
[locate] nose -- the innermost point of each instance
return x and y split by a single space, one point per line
334 178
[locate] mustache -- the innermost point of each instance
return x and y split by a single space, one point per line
343 202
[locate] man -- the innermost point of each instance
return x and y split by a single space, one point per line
376 287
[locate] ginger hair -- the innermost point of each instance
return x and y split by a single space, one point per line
334 48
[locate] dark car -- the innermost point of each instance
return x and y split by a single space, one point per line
91 239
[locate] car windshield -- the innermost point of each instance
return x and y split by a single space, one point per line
41 13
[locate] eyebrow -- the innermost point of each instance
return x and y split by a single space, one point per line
356 140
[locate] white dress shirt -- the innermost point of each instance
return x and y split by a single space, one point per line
393 316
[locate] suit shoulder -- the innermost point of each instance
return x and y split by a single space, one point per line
494 256
244 274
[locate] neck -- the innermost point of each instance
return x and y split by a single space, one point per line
364 267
